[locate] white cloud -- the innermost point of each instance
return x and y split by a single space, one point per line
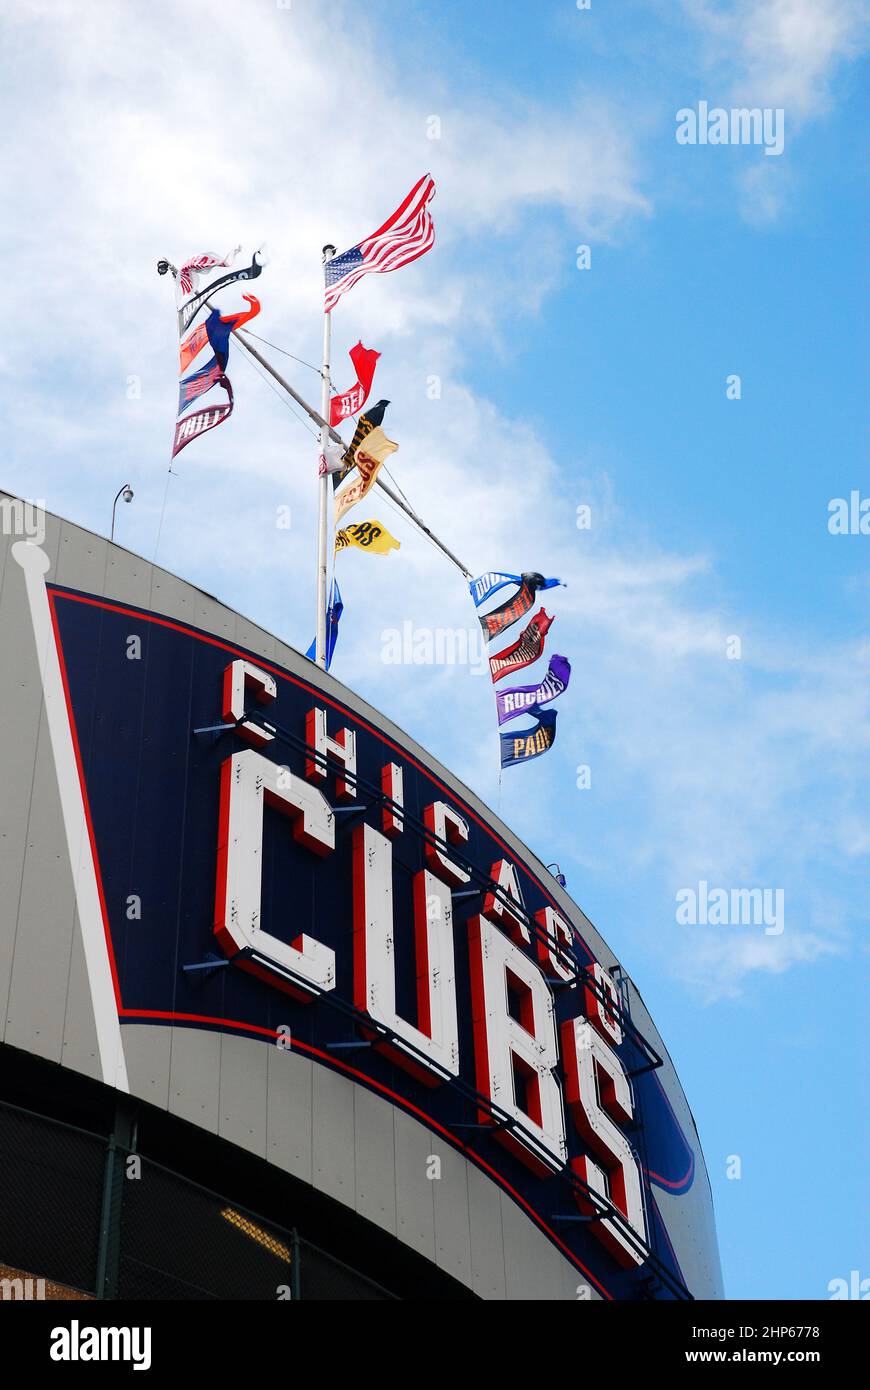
719 963
782 52
763 191
144 130
778 54
139 131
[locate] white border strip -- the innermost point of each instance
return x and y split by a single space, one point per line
35 564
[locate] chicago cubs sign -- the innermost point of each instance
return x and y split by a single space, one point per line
301 876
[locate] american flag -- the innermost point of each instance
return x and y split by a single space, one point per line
409 233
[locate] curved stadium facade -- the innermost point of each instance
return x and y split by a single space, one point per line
285 1010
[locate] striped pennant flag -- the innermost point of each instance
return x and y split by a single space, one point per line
409 233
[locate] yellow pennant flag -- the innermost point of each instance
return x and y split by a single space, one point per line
368 535
374 450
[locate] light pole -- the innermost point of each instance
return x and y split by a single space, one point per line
127 492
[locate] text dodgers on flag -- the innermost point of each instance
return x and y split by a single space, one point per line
487 584
409 233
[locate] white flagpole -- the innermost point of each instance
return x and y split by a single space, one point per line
323 488
244 341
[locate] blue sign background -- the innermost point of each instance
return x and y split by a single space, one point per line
153 795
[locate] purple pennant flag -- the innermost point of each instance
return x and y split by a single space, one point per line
521 698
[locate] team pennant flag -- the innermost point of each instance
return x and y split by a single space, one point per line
352 402
188 275
198 383
368 535
191 306
514 608
521 698
365 424
200 421
409 233
333 614
482 588
369 458
525 744
524 651
211 332
332 459
215 332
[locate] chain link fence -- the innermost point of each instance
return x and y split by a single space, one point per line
79 1209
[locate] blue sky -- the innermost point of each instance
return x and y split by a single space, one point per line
188 128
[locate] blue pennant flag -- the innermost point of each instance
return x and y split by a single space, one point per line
488 584
524 744
481 588
195 385
333 614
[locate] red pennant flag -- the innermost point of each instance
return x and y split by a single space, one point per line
199 421
524 651
352 402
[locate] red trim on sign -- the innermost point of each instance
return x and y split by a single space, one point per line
358 916
478 1016
392 823
238 652
689 1174
221 930
227 711
663 1182
54 592
421 954
314 770
403 1103
440 863
495 909
394 1051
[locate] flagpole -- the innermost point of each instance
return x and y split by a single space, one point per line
323 486
321 421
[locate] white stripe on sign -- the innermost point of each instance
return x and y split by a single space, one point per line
35 564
